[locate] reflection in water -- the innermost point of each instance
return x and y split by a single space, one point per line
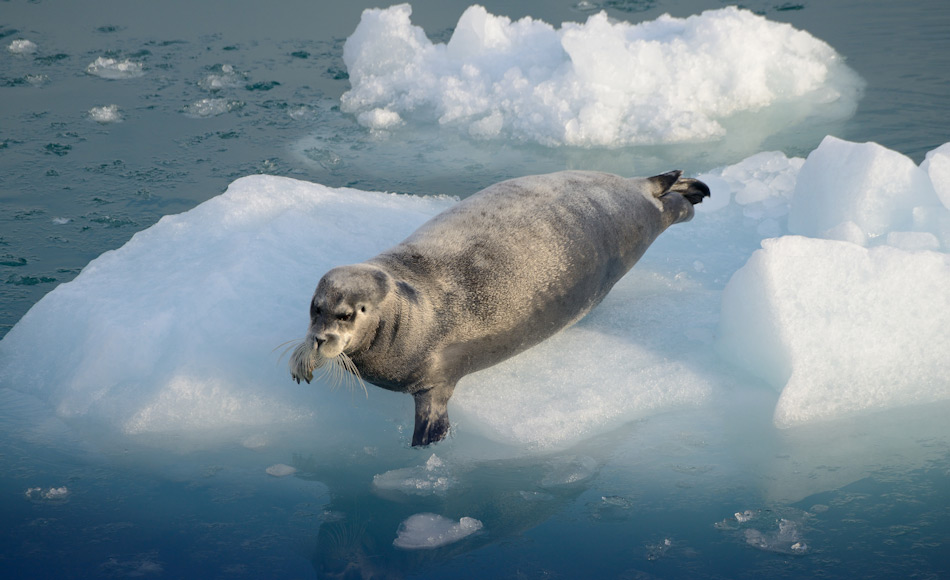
508 496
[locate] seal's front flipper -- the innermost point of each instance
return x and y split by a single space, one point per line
432 416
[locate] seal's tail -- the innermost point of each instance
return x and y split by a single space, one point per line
693 190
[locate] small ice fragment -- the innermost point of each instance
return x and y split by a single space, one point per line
379 119
56 493
211 107
37 80
226 79
61 220
433 477
281 470
105 114
657 551
52 494
302 113
112 69
22 46
743 517
427 531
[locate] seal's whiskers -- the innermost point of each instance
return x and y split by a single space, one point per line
342 372
304 360
288 346
352 372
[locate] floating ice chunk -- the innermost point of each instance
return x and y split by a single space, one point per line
302 113
428 531
379 119
211 107
597 84
61 220
51 494
280 470
838 328
431 478
37 80
658 550
105 114
745 516
113 69
22 46
225 77
864 183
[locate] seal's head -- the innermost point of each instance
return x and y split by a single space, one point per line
344 318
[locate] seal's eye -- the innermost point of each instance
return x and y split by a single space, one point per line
345 316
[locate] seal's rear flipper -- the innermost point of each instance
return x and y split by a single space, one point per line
432 416
693 190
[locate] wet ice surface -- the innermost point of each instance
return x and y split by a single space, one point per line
164 449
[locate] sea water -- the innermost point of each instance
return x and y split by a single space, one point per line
764 395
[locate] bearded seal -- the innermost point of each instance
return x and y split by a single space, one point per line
491 276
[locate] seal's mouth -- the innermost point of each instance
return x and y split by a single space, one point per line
304 359
339 369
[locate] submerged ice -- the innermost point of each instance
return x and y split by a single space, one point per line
179 330
593 84
428 531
